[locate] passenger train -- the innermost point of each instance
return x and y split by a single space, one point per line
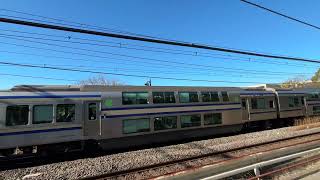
44 119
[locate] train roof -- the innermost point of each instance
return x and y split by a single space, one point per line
101 88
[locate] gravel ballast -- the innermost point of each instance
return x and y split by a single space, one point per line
121 161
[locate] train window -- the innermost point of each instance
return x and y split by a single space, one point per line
206 97
136 125
129 98
302 100
293 101
186 97
135 98
290 101
313 96
296 101
169 97
142 98
234 98
244 104
190 120
65 112
17 115
161 123
92 108
210 96
316 109
258 103
215 96
158 97
163 97
42 114
212 118
225 96
271 104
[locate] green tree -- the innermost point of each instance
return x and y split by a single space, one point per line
316 76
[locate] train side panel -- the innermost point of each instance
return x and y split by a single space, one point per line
35 119
292 104
165 122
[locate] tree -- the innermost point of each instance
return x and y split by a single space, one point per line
100 80
296 82
316 76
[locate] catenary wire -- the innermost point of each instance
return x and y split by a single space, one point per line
37 77
137 57
124 74
281 14
152 40
145 65
103 28
79 24
145 48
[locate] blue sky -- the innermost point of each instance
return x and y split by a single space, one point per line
228 23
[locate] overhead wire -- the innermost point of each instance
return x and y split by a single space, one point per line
110 29
153 40
120 45
133 48
217 73
124 74
145 71
281 14
78 23
141 58
37 77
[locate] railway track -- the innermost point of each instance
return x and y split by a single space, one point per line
172 167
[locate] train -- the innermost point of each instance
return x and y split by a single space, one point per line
42 119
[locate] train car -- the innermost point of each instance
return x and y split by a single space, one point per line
37 119
136 115
312 101
43 119
259 106
292 103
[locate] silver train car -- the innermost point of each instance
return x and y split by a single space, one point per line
44 119
64 118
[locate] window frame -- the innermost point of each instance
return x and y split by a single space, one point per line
162 118
210 93
223 97
164 97
198 115
272 103
213 114
56 113
189 97
136 97
53 113
257 103
314 111
296 101
136 132
96 111
244 103
28 116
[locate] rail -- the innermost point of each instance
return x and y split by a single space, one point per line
256 167
138 170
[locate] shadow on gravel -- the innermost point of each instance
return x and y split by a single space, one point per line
303 176
55 158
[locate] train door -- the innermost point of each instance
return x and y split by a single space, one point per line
245 110
92 119
304 106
